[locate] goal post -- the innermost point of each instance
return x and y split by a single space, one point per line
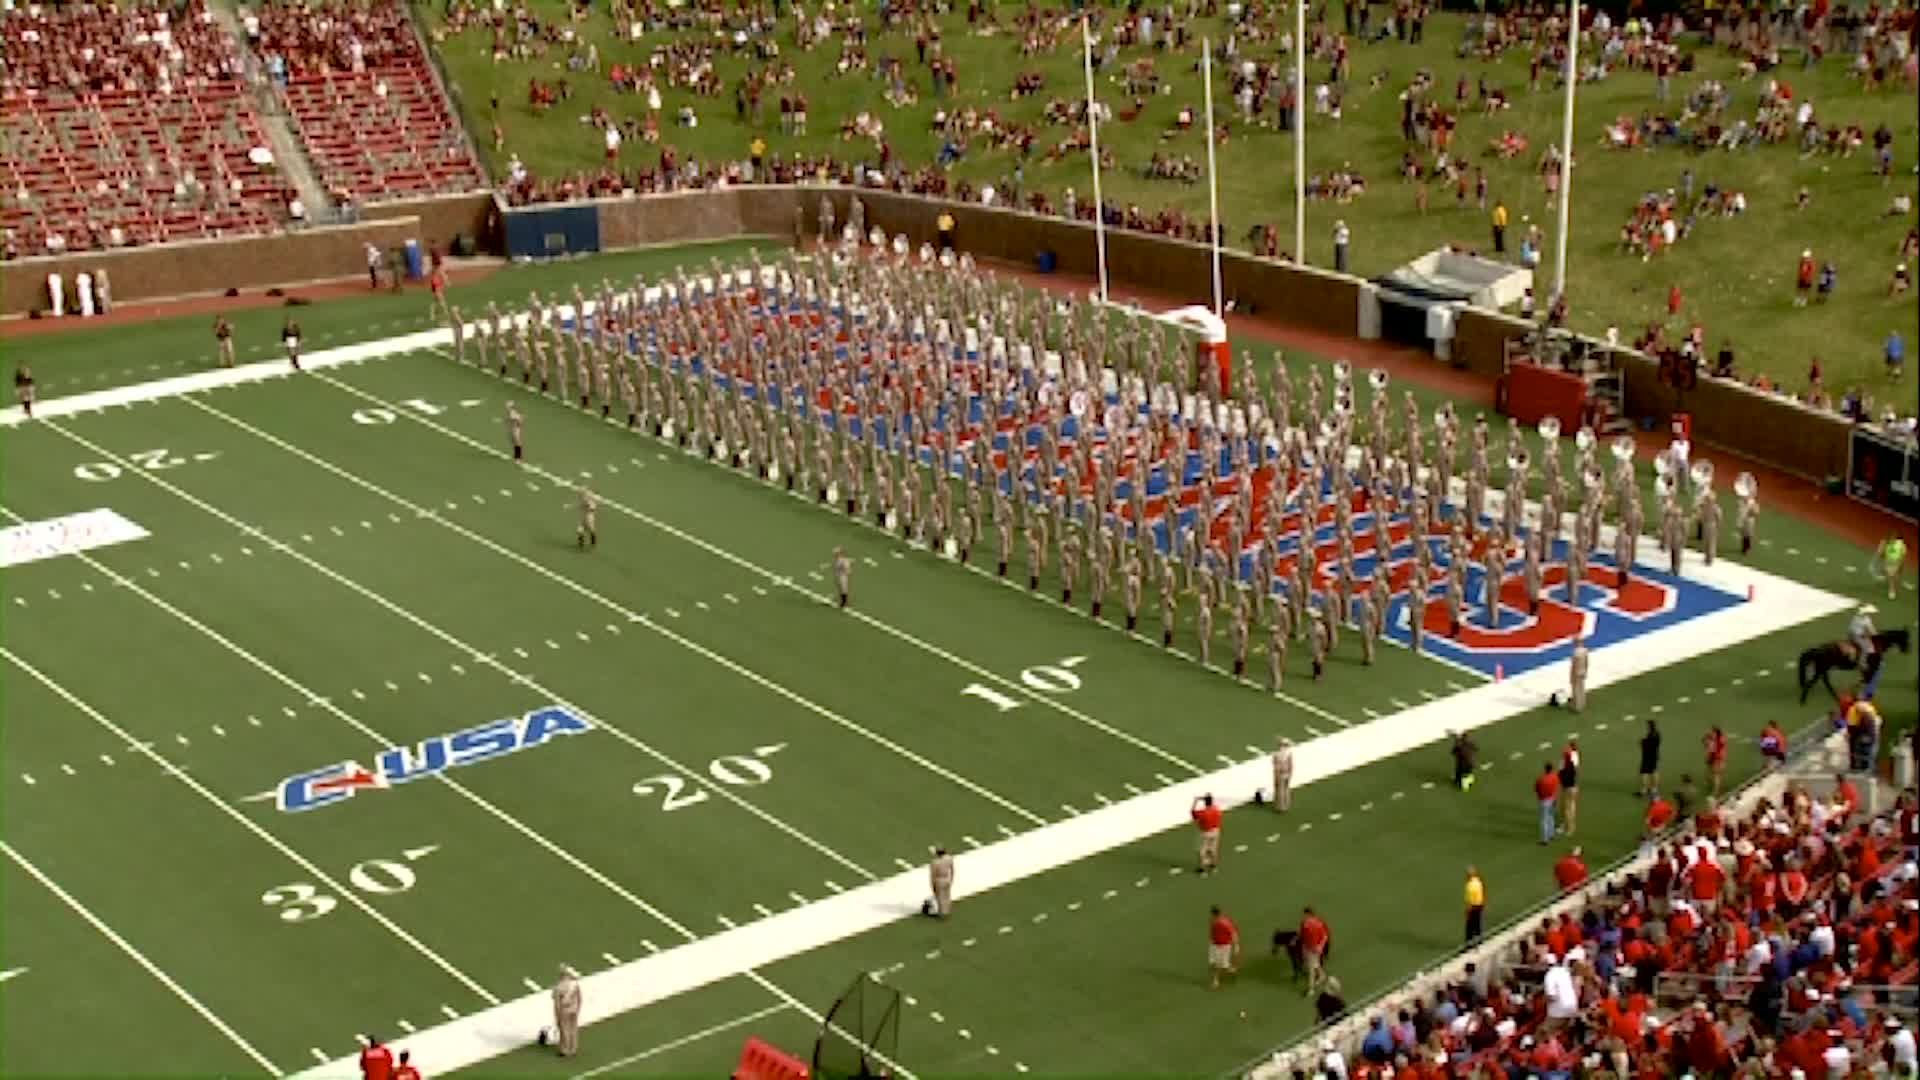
860 1035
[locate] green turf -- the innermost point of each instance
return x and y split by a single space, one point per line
426 585
1737 275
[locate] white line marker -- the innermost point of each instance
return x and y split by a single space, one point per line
649 946
405 1026
450 1012
106 759
726 922
181 739
253 720
612 960
903 864
834 887
1006 832
797 898
533 986
66 768
135 955
765 911
318 1055
218 730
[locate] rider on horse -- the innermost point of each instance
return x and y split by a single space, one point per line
1860 633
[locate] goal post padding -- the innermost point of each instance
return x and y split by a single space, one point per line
860 1033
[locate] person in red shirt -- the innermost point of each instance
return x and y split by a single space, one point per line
1571 871
1315 939
1546 789
1715 744
1705 883
406 1071
1206 818
1850 795
1659 815
1803 278
1673 300
376 1061
1773 744
437 281
1223 947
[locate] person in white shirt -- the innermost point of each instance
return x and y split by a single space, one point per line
1900 1038
1838 1057
1563 997
1332 1063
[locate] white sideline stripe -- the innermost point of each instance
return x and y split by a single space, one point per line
139 958
631 616
1779 604
788 583
519 678
684 1040
246 822
219 378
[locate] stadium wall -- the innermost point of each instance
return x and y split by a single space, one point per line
254 261
1804 441
1809 443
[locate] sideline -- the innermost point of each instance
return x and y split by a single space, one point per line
1778 604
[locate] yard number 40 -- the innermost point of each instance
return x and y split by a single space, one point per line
1054 678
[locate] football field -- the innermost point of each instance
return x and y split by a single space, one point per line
319 723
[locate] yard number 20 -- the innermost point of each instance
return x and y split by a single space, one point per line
733 770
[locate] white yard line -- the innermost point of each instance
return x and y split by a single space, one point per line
666 974
518 677
140 958
521 679
784 581
352 896
631 616
684 1040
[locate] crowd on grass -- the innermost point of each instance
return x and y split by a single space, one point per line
1255 58
1780 944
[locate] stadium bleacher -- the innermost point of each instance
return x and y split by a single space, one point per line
364 100
140 125
1780 944
128 126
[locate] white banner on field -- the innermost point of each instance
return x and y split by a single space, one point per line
33 541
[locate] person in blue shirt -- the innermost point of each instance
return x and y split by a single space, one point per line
1896 354
1377 1046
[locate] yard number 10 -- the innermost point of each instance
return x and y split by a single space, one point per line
1055 678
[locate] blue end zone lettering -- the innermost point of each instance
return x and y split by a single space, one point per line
297 794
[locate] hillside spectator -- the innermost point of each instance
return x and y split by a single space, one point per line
1896 354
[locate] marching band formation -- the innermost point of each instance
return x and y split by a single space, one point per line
954 409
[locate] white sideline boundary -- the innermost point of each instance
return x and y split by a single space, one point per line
1778 604
220 378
